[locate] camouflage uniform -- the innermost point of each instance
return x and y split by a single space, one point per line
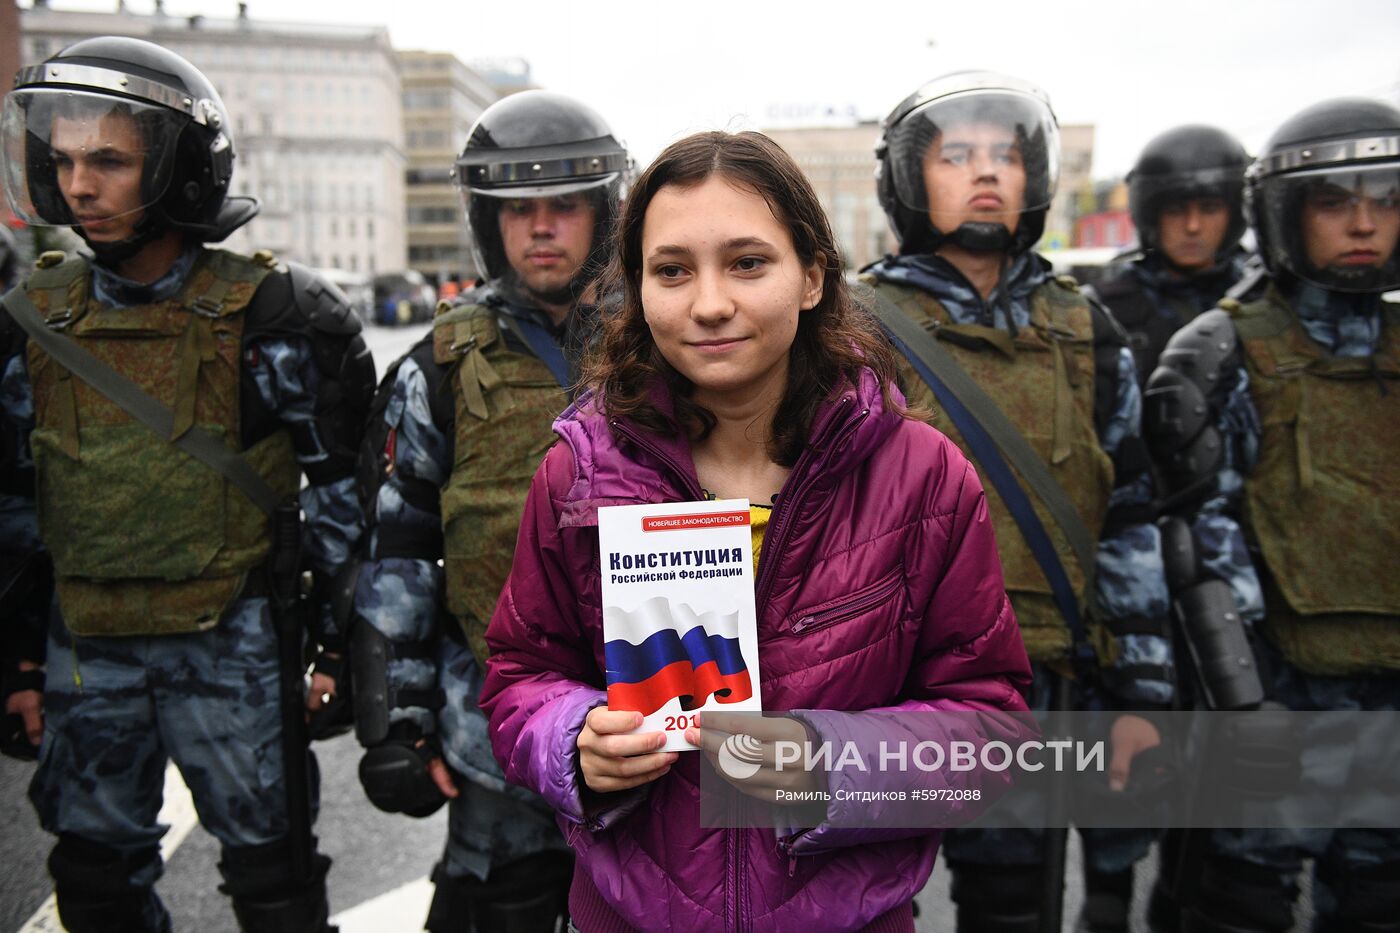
1312 661
117 708
421 447
1130 600
1151 301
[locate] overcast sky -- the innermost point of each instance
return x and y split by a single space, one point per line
657 70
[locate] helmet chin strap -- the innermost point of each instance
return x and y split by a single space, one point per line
111 255
1352 278
980 236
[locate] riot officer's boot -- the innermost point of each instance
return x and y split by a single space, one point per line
525 896
1163 912
1108 899
1234 896
451 909
1367 898
266 896
997 898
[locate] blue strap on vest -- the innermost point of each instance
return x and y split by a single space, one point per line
542 345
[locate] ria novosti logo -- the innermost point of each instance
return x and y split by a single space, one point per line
741 756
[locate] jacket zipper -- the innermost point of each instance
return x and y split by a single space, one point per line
690 482
780 528
820 620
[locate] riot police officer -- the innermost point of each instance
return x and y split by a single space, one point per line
459 427
1186 197
164 397
967 169
1274 423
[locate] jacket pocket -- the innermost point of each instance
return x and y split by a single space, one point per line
836 611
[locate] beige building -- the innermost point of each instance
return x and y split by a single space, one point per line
317 124
441 100
840 163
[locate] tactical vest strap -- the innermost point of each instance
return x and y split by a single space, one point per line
1262 319
55 279
542 345
196 442
197 347
460 335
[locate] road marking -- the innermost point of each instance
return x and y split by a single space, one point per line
177 812
403 908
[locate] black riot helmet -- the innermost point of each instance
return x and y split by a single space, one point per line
145 104
1335 165
538 144
920 122
1184 164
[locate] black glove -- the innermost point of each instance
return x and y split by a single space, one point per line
337 714
395 776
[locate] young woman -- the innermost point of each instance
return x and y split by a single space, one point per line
739 366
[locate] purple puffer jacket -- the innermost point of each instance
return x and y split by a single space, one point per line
881 515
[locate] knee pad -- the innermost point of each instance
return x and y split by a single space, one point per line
997 898
266 895
95 892
84 867
1235 896
1367 897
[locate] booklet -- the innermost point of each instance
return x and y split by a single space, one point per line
679 628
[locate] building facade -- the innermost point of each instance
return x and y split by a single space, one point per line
441 100
1104 220
317 123
839 161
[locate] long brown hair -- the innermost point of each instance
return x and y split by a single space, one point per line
835 340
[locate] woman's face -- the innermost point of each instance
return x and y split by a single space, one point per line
722 287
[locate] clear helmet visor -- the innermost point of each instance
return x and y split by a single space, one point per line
1335 227
79 158
485 207
984 156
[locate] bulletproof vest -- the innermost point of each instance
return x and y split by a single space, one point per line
505 403
147 540
1148 327
1043 379
1323 504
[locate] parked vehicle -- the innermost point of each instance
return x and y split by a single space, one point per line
357 288
402 298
